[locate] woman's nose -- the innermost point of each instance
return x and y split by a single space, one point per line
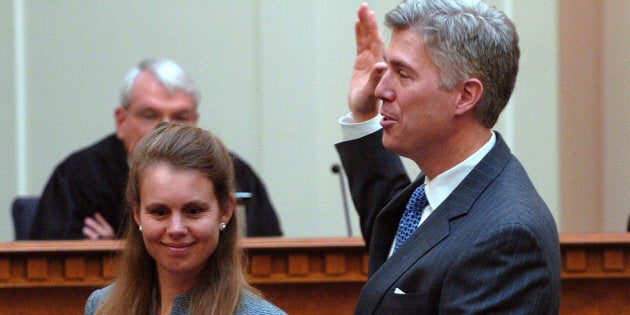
177 225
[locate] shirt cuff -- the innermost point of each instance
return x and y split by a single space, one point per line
351 129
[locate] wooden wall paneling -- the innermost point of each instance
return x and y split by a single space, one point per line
302 276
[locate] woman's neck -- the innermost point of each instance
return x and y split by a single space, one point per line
170 286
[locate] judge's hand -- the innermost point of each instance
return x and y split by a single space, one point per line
97 228
369 66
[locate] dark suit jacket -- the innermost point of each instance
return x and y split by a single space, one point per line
93 180
490 247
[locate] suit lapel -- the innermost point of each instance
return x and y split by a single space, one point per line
468 191
386 225
383 271
424 239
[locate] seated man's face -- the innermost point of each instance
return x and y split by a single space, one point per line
150 105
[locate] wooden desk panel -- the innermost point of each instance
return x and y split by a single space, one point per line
302 276
595 274
298 275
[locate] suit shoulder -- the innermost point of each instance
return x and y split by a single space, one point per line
106 149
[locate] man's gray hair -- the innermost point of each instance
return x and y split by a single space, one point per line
166 71
466 39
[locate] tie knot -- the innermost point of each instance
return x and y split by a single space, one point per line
418 199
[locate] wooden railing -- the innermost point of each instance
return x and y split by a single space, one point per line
302 276
595 273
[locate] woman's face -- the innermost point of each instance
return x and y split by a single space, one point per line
180 216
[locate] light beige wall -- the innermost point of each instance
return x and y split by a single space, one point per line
530 121
8 145
594 80
79 51
273 80
533 108
616 123
581 114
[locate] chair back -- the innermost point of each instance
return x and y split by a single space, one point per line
23 212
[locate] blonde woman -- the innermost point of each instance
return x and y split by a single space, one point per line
181 254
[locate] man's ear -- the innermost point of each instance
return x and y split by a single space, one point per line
120 115
471 91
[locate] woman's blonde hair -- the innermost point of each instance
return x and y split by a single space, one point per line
222 279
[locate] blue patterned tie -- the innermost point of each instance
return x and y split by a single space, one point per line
411 217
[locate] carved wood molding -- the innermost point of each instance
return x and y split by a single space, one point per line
270 260
595 256
306 260
58 263
274 260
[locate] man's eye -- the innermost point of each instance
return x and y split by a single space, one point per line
183 117
403 74
148 115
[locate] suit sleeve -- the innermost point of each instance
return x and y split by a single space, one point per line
261 215
503 272
57 212
375 176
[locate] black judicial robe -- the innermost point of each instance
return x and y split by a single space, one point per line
93 180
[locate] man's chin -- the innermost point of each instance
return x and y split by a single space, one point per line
389 143
397 147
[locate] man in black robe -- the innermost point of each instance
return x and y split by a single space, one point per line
84 198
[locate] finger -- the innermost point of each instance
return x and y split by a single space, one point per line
377 72
95 225
98 217
89 233
91 223
358 36
365 28
104 229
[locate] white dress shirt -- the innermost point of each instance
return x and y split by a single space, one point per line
436 189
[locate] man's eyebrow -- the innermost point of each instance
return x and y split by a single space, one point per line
396 63
400 64
144 107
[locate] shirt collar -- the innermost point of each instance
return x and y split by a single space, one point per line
439 188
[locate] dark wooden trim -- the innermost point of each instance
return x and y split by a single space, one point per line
297 274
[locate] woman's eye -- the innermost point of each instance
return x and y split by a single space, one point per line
158 212
194 210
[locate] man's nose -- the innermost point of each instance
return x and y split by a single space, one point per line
383 90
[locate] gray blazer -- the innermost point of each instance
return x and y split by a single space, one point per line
491 247
249 303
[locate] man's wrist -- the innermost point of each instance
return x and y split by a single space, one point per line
351 129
